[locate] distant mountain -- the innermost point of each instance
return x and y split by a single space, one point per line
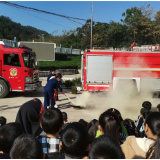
10 29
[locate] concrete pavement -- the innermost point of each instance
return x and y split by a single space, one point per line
9 106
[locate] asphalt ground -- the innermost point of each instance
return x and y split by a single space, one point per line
10 105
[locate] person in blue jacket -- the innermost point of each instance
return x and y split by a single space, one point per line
50 75
49 90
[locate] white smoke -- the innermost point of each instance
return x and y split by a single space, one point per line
125 97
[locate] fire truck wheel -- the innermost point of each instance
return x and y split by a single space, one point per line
4 90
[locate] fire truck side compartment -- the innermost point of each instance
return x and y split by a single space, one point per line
143 67
99 69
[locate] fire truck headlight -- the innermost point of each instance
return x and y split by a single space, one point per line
28 79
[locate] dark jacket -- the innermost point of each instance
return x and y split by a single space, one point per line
49 76
52 85
29 116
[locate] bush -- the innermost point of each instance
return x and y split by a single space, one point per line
74 82
77 81
68 83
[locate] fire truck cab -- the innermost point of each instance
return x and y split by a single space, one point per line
103 70
17 70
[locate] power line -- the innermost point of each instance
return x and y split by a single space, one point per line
75 21
48 20
37 10
44 19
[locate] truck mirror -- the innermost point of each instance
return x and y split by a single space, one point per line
12 55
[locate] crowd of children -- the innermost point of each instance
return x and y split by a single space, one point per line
47 134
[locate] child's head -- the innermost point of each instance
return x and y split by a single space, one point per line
52 121
65 118
152 124
145 114
75 140
105 147
8 133
116 112
26 147
152 130
158 108
3 120
147 105
85 123
109 124
142 111
92 129
129 122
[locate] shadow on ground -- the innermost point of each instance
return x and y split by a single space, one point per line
64 106
37 93
6 107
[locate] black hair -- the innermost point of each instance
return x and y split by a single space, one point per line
145 114
75 140
147 105
153 122
3 120
58 75
26 147
110 124
105 147
128 121
8 133
143 110
130 127
158 107
116 112
64 114
52 120
85 123
92 129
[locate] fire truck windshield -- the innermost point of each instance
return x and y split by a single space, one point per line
29 60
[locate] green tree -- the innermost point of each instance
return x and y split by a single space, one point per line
132 19
117 35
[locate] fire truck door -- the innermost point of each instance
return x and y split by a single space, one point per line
99 69
12 71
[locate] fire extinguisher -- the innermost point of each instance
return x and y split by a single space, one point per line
55 95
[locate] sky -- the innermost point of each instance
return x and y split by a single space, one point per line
103 11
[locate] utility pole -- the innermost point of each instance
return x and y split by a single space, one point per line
91 24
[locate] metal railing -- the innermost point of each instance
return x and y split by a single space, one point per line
10 43
68 50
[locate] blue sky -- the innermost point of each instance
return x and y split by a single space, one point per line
103 11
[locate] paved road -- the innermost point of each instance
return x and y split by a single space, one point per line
9 106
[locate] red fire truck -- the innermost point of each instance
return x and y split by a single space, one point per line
17 70
103 70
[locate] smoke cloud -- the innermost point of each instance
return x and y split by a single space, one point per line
125 97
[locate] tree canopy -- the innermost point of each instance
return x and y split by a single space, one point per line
140 25
10 29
